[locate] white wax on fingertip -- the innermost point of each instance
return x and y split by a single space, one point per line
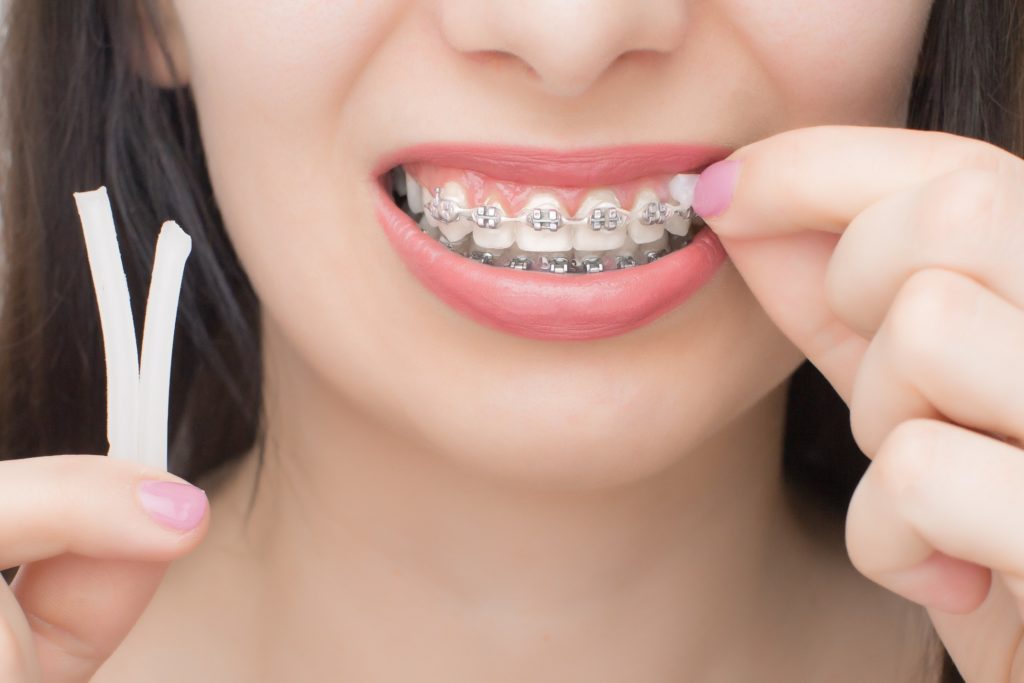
681 188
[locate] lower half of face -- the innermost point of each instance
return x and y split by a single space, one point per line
470 220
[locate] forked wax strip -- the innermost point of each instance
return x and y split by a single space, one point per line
136 430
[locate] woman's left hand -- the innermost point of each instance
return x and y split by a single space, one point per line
894 260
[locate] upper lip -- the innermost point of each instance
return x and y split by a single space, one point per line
580 167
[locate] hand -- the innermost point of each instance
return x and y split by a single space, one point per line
894 260
91 559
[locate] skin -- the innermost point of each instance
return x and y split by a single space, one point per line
615 512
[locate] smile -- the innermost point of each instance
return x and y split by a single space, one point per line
579 245
538 232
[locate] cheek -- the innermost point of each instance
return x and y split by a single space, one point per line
833 60
271 77
272 80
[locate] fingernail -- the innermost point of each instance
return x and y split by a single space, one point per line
715 186
174 505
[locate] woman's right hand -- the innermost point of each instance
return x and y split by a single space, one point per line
94 537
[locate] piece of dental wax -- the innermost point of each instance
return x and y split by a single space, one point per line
136 391
681 188
173 247
119 350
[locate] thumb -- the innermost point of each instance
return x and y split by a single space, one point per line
779 206
79 609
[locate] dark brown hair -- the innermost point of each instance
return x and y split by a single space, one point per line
76 115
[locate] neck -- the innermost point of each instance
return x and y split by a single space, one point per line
425 552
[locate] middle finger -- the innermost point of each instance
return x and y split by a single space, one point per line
970 221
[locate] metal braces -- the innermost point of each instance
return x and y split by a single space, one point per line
605 216
564 264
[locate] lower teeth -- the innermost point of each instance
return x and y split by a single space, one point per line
564 262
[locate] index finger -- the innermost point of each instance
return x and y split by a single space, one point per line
820 178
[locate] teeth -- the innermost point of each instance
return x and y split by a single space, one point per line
490 257
681 188
596 262
501 236
678 225
427 225
542 237
455 230
652 251
520 263
414 194
646 209
544 212
556 263
462 247
585 237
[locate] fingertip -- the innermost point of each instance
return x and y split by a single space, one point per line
715 188
178 506
942 582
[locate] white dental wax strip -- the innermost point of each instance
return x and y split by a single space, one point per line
173 247
136 402
681 188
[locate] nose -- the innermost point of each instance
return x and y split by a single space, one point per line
567 44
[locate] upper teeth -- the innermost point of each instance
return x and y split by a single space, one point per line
448 206
600 224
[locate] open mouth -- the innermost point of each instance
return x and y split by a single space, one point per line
556 230
547 244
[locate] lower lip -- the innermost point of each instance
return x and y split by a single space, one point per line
545 305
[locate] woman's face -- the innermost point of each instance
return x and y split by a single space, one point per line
300 101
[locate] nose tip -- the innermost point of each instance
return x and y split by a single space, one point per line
567 44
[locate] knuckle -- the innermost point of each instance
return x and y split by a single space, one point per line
861 403
904 453
919 316
968 197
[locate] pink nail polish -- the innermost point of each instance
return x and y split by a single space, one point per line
714 189
174 505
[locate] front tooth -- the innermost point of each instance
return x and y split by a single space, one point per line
638 232
530 239
585 237
500 237
459 228
652 251
415 193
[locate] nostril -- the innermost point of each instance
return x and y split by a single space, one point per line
501 59
564 48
